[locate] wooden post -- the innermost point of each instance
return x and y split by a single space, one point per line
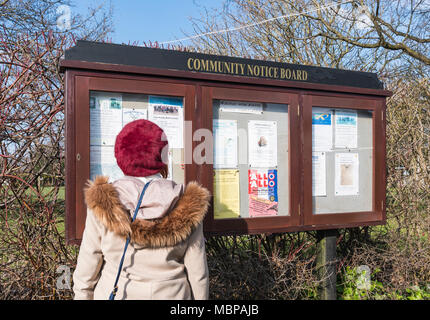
326 263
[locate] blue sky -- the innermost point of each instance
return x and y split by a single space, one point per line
143 20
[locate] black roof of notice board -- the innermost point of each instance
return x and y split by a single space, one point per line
115 54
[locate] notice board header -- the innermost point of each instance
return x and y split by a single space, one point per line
126 55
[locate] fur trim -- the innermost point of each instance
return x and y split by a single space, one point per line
102 198
170 230
178 224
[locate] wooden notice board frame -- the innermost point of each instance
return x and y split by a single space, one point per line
257 225
349 219
91 66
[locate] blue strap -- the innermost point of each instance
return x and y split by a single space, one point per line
115 287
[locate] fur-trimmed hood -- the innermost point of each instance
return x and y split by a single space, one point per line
184 210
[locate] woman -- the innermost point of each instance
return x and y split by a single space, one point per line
166 257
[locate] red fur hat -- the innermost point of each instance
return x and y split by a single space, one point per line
138 148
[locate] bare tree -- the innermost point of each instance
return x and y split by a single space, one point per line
32 142
369 35
400 25
388 37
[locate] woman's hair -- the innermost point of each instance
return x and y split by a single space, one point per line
164 171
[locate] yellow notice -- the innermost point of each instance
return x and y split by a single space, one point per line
226 195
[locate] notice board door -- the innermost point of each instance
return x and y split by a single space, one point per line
343 160
242 122
97 109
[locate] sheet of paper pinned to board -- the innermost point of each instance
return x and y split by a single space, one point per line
241 107
262 144
105 118
134 107
346 174
345 129
226 195
322 129
132 114
225 143
319 182
168 114
103 162
263 192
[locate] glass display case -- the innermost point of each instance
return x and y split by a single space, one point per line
277 154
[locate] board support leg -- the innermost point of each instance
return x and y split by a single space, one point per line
326 263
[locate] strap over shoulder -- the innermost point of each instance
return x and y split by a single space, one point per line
189 211
115 287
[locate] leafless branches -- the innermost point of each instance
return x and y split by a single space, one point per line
380 36
388 37
32 146
391 39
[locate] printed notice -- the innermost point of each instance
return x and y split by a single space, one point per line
103 162
241 107
134 107
105 119
262 144
263 193
346 174
346 129
226 197
322 129
132 114
225 143
319 174
168 114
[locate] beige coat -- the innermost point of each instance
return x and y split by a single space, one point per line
166 257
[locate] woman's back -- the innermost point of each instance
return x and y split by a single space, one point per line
166 257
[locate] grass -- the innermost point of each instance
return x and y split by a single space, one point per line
48 193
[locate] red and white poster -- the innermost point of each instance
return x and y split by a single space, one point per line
263 193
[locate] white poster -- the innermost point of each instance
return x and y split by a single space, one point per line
241 107
262 144
103 162
168 114
346 174
132 114
322 129
346 129
225 143
105 119
319 174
